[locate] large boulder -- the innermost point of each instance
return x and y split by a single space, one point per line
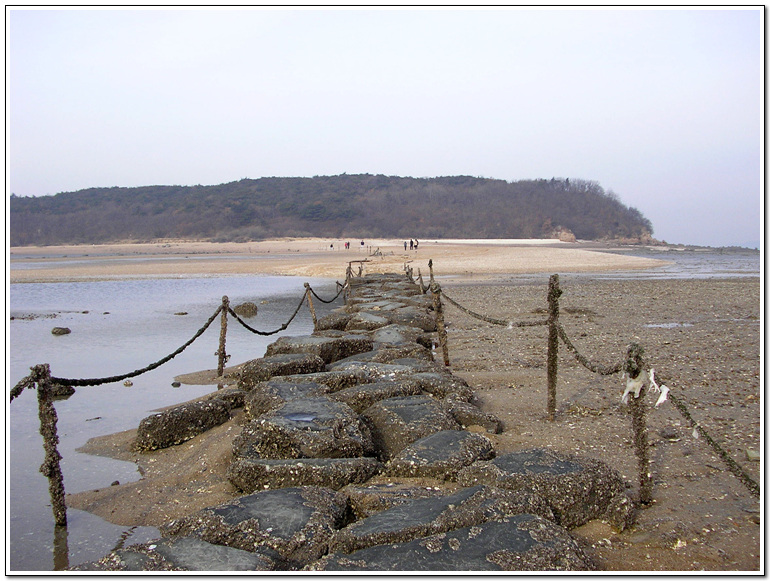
427 516
397 422
250 474
468 415
333 380
309 428
441 455
329 349
262 369
522 542
368 499
274 393
360 397
181 423
298 523
184 554
577 489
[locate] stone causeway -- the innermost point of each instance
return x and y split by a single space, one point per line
360 451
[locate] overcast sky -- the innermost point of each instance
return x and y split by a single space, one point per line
663 107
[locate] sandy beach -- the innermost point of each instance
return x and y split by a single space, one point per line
703 337
310 257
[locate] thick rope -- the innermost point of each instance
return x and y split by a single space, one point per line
588 364
114 378
734 467
279 329
500 322
331 300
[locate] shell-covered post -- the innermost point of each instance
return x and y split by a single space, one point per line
310 304
634 367
554 292
439 310
223 337
430 267
51 467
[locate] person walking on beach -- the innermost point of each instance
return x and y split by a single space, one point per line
411 244
416 242
404 245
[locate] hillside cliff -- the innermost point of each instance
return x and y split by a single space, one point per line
329 206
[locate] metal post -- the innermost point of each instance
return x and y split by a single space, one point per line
554 292
222 337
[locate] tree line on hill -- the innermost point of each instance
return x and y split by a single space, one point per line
356 206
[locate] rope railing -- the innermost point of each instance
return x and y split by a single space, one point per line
41 378
636 374
150 367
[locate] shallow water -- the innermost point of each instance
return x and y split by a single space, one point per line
124 324
117 326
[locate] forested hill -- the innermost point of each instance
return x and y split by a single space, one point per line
340 206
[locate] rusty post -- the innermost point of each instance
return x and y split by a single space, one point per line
223 337
310 304
439 310
554 292
634 366
51 467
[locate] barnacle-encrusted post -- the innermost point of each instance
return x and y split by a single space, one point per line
50 468
554 292
439 310
634 366
430 267
310 304
222 337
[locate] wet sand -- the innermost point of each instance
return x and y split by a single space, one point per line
702 336
310 257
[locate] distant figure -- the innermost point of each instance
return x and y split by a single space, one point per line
347 245
404 244
331 246
416 242
362 244
411 244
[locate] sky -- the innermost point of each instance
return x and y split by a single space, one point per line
664 107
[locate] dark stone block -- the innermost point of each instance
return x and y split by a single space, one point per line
468 415
577 489
298 523
397 422
179 424
427 516
360 397
273 393
251 474
333 380
373 498
366 322
329 349
258 370
232 395
517 543
441 455
333 321
310 428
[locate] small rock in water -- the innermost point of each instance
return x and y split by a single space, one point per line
247 309
181 313
116 483
61 331
128 383
176 384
